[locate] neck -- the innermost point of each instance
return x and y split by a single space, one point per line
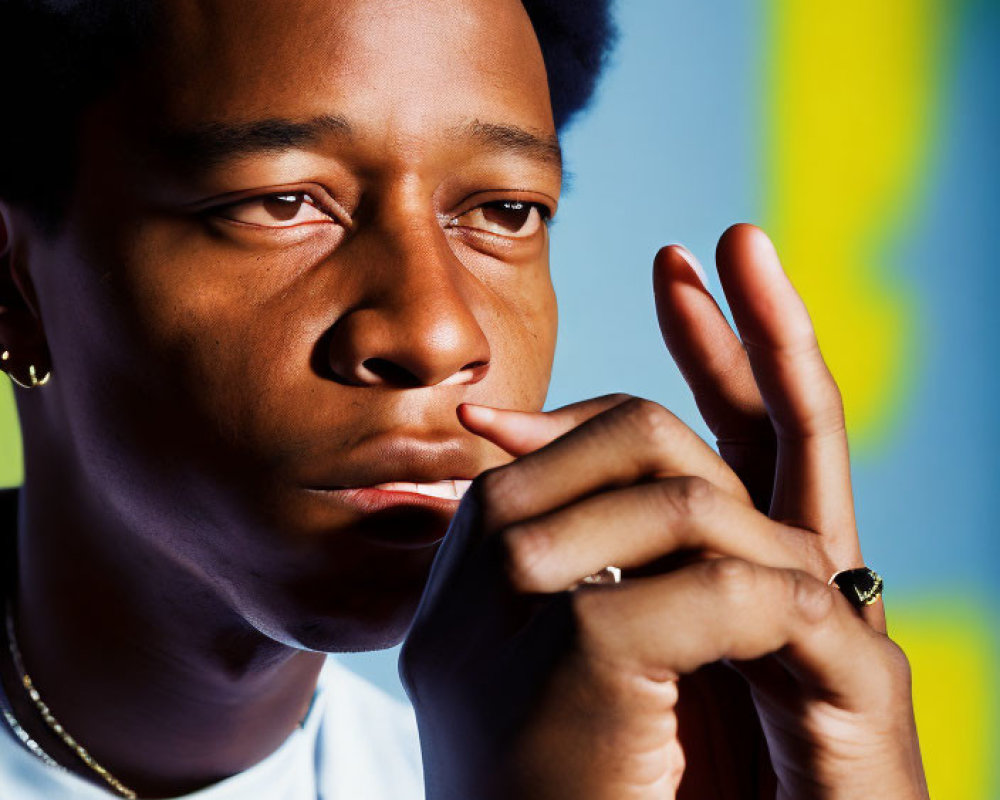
146 666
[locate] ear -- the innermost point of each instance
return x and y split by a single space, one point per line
21 332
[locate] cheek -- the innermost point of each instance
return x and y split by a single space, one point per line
225 313
522 333
205 337
526 345
196 351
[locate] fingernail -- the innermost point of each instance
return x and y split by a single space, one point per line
694 263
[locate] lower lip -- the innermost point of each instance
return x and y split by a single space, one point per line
370 501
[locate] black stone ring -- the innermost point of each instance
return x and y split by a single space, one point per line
861 586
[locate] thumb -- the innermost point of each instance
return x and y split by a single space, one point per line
521 432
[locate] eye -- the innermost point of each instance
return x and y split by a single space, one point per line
276 211
517 219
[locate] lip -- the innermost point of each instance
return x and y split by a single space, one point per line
400 460
444 495
401 475
448 489
370 500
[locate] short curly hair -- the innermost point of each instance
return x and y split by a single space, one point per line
60 56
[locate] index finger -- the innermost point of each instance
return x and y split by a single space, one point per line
521 432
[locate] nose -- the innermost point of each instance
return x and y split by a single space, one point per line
418 321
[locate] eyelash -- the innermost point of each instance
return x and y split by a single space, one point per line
544 212
307 198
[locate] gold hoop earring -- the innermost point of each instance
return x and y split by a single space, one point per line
32 373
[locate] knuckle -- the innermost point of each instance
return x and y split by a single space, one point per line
814 600
677 763
618 398
891 681
524 551
831 405
484 486
899 667
733 578
492 483
836 398
690 496
498 493
651 421
824 399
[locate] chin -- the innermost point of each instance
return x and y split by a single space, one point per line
337 635
339 589
373 611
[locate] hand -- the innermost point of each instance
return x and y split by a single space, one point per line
565 693
481 650
783 393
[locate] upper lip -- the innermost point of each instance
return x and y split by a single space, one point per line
403 460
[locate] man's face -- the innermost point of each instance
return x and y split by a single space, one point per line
287 262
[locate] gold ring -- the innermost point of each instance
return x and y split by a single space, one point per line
861 586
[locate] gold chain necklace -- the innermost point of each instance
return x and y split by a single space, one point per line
51 721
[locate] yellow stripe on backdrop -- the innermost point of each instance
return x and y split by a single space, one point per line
852 88
954 651
852 93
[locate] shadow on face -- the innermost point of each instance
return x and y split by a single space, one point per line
302 234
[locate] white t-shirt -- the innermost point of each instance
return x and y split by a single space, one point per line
356 743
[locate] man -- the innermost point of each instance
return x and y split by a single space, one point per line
299 270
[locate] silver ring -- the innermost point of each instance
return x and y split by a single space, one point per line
609 574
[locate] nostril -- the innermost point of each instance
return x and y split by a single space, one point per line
477 369
390 372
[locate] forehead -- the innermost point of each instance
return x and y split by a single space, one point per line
400 65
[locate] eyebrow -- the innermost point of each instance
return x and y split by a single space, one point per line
214 144
543 147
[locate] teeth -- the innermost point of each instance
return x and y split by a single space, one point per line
450 489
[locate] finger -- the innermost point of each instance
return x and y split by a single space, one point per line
812 485
550 553
707 351
520 432
715 366
634 440
727 608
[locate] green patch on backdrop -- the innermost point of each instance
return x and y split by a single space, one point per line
11 469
